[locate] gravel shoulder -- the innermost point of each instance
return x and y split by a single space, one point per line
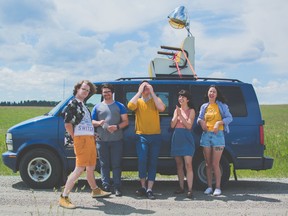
244 197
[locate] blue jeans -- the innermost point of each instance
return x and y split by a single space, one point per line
148 147
110 156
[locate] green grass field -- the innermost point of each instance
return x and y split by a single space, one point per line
276 140
10 116
276 136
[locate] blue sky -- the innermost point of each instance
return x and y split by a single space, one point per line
46 43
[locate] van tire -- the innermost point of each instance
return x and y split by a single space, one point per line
40 169
199 167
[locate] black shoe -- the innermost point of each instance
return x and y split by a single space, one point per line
150 195
141 192
118 192
190 195
107 188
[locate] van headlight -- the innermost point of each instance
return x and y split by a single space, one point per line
9 141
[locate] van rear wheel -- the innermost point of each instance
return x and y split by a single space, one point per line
199 167
40 169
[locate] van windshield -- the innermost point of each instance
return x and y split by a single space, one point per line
55 110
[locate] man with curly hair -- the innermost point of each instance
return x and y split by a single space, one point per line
78 124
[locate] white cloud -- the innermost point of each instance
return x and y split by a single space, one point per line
265 20
96 40
111 16
272 92
37 83
255 82
218 74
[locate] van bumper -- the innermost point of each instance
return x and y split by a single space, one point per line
10 159
267 163
254 163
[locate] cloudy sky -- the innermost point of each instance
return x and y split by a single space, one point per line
46 46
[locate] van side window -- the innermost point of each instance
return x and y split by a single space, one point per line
236 102
93 100
164 96
233 94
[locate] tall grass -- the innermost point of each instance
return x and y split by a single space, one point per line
276 141
276 136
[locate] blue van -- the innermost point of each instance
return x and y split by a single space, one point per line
36 147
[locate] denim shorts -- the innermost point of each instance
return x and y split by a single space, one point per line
210 139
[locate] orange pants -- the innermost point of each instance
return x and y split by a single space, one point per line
85 151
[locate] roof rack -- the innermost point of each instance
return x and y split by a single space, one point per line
176 77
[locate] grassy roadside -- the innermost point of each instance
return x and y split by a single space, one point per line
276 137
10 116
276 140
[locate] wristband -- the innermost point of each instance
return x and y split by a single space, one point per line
118 127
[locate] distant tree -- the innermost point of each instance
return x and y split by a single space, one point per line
30 103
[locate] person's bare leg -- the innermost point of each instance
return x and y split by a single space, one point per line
72 179
143 182
150 185
189 172
91 177
208 159
180 171
217 153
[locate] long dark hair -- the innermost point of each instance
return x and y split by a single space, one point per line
220 96
187 94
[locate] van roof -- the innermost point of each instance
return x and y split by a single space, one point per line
174 77
171 79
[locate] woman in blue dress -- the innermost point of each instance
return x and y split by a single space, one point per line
182 144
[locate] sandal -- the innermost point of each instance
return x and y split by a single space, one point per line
179 191
189 195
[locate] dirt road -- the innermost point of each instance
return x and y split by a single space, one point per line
245 197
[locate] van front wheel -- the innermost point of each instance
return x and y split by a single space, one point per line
200 177
40 169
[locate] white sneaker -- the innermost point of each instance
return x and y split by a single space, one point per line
208 191
217 192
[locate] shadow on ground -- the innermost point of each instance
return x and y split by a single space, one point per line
241 190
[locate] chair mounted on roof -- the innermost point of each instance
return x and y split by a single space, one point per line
180 61
178 58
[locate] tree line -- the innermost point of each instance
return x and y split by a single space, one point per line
30 103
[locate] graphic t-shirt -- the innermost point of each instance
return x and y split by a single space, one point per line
85 127
212 115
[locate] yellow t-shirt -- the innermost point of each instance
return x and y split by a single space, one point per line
212 115
147 120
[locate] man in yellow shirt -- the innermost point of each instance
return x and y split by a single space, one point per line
147 106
